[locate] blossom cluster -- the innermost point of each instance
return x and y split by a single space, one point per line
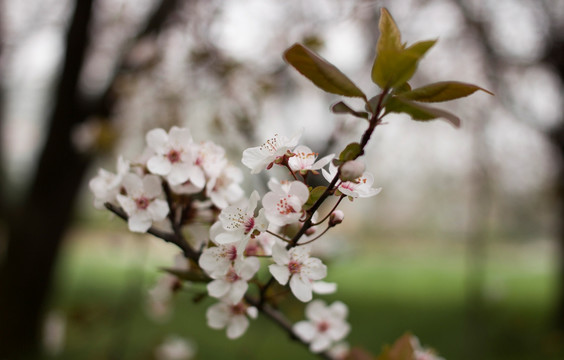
165 190
172 159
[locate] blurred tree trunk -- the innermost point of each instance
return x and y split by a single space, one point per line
554 57
37 226
35 229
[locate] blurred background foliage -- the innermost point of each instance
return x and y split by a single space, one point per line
464 246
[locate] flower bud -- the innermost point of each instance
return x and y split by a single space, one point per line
311 231
352 170
336 218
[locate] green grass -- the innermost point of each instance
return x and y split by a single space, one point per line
390 287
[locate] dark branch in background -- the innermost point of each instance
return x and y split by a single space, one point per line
31 254
103 105
554 57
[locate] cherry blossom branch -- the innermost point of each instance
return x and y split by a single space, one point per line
375 119
168 237
278 236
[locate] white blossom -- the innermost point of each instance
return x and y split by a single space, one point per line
297 266
232 285
224 190
325 325
261 157
218 259
175 348
360 187
339 351
211 158
174 156
106 185
141 203
239 222
421 353
232 317
283 205
304 159
260 245
160 295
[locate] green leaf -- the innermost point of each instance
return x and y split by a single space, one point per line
314 195
393 68
351 152
390 36
342 108
322 73
442 91
420 112
403 88
402 349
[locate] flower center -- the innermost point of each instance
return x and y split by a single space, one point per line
322 326
283 207
271 144
238 309
348 185
231 276
173 156
142 202
232 253
294 267
249 225
252 250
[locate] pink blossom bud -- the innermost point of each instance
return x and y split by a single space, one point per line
352 170
336 217
311 231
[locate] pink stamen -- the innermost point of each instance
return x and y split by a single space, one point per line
142 202
249 225
173 156
238 309
232 276
294 267
232 253
322 326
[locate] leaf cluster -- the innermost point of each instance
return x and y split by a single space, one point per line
394 65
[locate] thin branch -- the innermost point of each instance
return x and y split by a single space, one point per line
168 237
330 212
278 236
315 238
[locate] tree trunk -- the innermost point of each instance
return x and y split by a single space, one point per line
36 228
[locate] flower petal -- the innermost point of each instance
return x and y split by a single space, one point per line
237 291
305 330
218 316
301 288
280 273
159 165
218 288
280 255
157 140
139 223
321 343
158 209
237 326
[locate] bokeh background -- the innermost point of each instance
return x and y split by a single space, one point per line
464 247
